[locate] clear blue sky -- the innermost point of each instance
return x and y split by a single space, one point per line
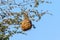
48 28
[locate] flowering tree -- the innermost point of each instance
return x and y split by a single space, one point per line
11 22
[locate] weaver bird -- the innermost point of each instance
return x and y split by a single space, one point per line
26 23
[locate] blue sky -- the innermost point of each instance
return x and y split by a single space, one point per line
48 28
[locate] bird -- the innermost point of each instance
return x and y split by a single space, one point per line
26 23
